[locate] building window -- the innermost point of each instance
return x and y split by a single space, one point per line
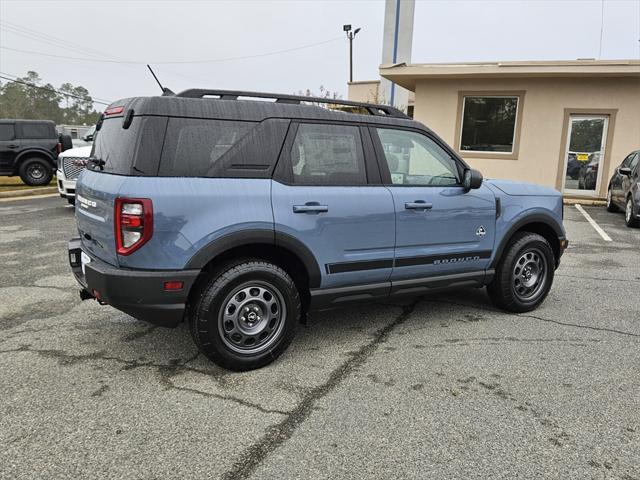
489 124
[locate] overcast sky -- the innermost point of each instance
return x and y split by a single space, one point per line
163 31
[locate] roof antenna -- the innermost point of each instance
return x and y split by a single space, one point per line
166 92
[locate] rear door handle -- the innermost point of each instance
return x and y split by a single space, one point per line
310 207
12 146
418 205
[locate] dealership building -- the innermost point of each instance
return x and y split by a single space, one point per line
566 124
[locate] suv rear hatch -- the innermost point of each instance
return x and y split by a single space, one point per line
114 157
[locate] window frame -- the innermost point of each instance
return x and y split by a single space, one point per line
283 172
517 129
460 164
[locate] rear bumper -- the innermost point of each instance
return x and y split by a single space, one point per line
139 293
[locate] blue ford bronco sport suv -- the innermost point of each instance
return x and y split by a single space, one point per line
238 216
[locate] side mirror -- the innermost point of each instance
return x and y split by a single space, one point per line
472 179
88 138
624 171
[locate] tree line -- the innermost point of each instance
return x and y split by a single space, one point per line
27 97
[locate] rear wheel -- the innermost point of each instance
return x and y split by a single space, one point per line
524 275
36 172
611 207
246 314
630 215
71 200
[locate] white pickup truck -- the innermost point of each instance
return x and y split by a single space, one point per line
70 163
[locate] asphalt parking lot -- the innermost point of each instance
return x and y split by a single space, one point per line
442 387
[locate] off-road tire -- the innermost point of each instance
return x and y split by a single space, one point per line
36 172
503 289
220 290
611 207
631 220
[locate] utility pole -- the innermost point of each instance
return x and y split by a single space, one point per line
350 35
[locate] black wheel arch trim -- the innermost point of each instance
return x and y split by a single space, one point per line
547 220
258 236
33 152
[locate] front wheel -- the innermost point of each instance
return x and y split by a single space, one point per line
36 172
629 215
524 274
246 315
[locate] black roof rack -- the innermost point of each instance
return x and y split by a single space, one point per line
373 109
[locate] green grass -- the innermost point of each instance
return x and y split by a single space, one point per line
15 183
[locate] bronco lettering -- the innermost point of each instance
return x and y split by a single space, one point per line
455 260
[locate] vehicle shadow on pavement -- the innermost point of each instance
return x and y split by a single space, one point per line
329 334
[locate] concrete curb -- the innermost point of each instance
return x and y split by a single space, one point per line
584 201
27 192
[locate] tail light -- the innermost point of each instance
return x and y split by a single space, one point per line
133 224
59 148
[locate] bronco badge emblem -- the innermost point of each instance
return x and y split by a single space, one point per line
481 231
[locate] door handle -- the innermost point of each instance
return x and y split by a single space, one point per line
418 205
310 207
12 146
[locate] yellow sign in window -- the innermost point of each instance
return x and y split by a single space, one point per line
582 157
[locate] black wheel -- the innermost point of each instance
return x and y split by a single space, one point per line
245 315
611 207
36 172
524 274
630 215
71 200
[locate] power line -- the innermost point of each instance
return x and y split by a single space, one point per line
177 62
16 80
50 39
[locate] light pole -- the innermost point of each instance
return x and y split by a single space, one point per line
350 35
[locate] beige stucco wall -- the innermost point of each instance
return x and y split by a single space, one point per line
364 91
543 117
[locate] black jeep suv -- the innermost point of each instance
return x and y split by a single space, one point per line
30 148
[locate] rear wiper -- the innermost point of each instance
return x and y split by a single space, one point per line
96 162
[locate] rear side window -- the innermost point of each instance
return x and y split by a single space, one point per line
37 130
7 131
328 155
193 146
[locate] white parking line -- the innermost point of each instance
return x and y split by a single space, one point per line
593 223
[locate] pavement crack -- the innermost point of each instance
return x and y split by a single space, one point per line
566 324
278 434
536 317
582 277
171 386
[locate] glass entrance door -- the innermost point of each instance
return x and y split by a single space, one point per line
586 139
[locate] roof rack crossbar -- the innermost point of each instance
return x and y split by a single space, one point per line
372 108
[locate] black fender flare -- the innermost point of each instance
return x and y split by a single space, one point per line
34 152
258 236
547 220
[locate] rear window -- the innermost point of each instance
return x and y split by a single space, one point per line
116 145
193 146
37 130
